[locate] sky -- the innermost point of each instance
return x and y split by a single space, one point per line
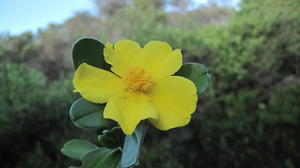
17 16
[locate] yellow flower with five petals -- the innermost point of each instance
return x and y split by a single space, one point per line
140 86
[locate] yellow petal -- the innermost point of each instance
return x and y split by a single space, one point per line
96 85
160 60
129 109
175 99
156 57
123 57
108 52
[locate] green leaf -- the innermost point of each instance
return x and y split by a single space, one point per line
85 114
102 158
90 51
111 138
197 73
132 146
108 140
76 148
117 131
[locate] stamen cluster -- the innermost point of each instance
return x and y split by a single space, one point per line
137 80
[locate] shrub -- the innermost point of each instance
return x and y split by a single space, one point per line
251 115
34 121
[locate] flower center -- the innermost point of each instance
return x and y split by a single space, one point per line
137 80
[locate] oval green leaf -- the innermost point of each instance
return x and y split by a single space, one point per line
101 158
117 131
85 114
108 140
90 51
132 146
111 138
197 73
76 148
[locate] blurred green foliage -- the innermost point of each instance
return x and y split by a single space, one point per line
250 117
33 117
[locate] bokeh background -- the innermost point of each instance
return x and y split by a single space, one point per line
249 117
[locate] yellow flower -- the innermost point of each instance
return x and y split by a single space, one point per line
140 87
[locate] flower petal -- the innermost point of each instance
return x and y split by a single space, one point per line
160 60
156 57
124 55
128 109
175 99
96 85
108 52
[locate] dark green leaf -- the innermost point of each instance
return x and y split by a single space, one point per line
132 146
90 51
85 114
76 148
197 73
102 158
117 131
111 138
108 140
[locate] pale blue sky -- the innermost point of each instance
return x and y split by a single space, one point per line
17 16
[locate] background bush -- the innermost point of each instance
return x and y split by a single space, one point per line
248 118
34 117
